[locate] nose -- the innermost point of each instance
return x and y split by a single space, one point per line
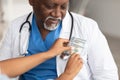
56 13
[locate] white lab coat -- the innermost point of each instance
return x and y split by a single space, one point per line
98 61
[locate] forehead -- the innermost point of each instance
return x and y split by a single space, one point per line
60 2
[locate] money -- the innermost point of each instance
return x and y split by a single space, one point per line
77 45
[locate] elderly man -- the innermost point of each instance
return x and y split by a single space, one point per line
33 35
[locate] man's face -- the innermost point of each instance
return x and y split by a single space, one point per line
44 9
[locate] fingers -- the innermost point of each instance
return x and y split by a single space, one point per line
63 40
63 43
74 64
76 57
60 46
78 61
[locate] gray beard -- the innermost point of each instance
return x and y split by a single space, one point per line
52 27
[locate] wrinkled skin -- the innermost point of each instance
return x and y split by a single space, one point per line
45 8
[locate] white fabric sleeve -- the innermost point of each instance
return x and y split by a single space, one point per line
5 47
100 59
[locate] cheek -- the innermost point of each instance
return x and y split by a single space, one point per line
44 15
41 13
63 14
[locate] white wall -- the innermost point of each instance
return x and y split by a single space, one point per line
78 6
15 8
107 14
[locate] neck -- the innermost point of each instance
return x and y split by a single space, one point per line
43 31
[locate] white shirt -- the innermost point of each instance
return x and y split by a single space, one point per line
98 61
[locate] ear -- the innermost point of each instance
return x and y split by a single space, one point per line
31 2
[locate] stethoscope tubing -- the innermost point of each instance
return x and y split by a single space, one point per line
71 30
28 22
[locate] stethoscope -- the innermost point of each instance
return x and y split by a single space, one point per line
27 22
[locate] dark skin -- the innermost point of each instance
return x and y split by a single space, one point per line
17 66
45 8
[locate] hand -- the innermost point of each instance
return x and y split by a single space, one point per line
59 46
73 66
